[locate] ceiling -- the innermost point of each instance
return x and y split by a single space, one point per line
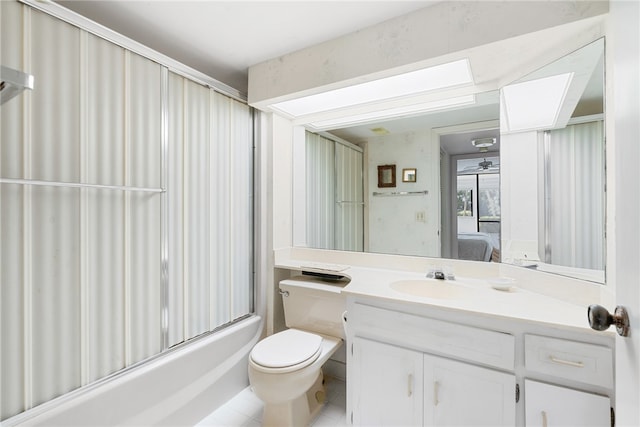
222 39
486 108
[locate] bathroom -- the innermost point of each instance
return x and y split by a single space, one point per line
276 250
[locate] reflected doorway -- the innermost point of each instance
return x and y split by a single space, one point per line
470 181
478 209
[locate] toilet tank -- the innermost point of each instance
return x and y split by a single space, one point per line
314 305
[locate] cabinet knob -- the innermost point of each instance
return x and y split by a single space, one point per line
600 319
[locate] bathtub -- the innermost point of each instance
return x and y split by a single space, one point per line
178 388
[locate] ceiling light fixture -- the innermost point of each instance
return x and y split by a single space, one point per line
534 104
380 131
441 76
483 144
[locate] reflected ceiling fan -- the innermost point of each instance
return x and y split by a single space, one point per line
485 166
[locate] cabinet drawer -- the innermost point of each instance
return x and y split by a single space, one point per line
433 336
587 363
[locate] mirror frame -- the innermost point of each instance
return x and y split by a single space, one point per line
386 176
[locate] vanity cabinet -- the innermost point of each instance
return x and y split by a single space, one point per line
397 374
413 367
399 386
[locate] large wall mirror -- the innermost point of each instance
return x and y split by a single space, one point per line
515 176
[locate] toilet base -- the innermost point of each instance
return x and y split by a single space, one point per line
297 412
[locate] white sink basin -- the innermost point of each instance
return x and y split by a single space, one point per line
431 288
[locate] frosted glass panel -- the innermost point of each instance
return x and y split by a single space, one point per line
80 267
577 187
197 199
144 110
175 190
221 215
82 293
334 195
11 55
55 291
103 155
12 365
211 176
320 173
104 145
11 299
143 170
143 280
104 254
349 228
242 205
55 59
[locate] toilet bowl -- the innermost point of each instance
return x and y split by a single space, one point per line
285 368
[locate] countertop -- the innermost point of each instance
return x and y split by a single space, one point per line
476 295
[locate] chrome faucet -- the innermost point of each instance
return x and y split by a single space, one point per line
440 273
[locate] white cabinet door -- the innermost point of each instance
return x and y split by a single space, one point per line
549 405
388 384
459 394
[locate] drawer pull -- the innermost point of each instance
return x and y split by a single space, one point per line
544 419
566 362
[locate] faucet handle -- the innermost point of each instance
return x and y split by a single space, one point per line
432 271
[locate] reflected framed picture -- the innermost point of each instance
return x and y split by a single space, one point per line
386 176
409 175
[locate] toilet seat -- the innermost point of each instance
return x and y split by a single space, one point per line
287 351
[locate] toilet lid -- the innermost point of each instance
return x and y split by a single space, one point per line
286 348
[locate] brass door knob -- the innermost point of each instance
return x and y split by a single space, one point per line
600 319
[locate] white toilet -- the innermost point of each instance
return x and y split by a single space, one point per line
285 368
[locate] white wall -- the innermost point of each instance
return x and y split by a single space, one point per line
282 132
276 142
393 226
299 185
519 196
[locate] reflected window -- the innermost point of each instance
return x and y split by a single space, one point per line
465 203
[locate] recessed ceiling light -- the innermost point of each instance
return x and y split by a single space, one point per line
441 76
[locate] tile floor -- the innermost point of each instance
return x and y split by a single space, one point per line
245 409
